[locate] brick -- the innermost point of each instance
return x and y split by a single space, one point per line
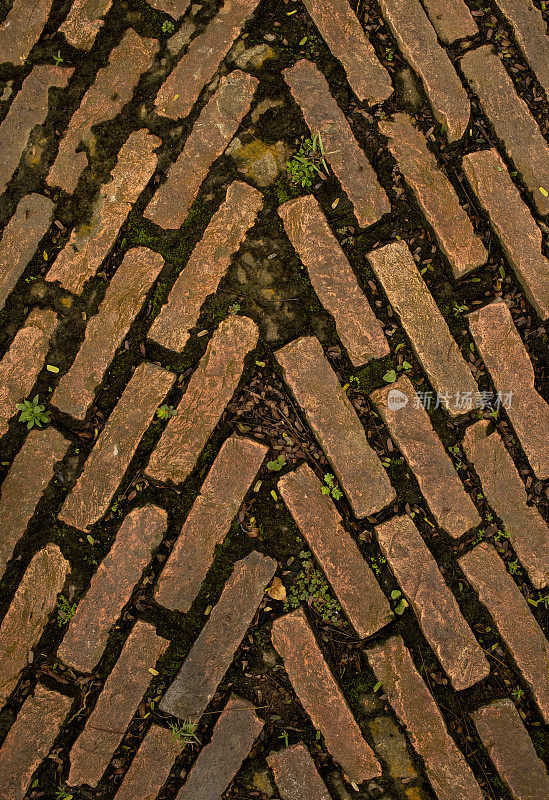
321 697
23 362
344 36
336 425
507 360
83 22
295 774
338 556
106 330
116 446
209 521
504 490
433 603
435 195
499 593
459 24
511 120
333 280
20 239
413 704
519 235
323 115
151 765
29 740
116 706
29 108
111 587
208 392
28 613
174 7
207 264
425 326
91 241
217 764
180 90
418 43
213 651
111 90
530 32
212 132
30 473
510 748
410 427
21 29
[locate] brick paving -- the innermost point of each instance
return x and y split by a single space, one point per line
281 528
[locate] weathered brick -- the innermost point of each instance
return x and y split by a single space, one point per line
151 765
29 740
207 264
212 132
20 239
111 587
22 363
511 120
517 626
349 575
519 235
336 425
434 604
106 330
510 748
321 697
83 22
450 25
295 774
411 701
116 446
91 241
440 485
418 42
343 34
28 613
116 706
29 108
209 521
180 90
110 91
425 326
333 280
435 195
30 473
505 492
213 651
323 115
531 34
174 7
210 389
21 28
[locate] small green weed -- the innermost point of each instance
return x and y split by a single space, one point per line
166 411
331 487
277 464
65 610
168 26
518 693
185 733
63 794
310 587
33 412
402 604
308 162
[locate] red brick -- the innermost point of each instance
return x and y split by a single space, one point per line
28 613
213 651
411 701
21 28
151 765
116 446
30 473
323 115
333 280
336 425
174 7
209 137
517 626
321 697
530 31
210 389
338 556
207 264
209 521
434 604
83 21
111 587
91 241
296 775
111 90
116 706
106 330
29 740
23 362
453 25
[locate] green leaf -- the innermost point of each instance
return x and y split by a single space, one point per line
303 41
401 607
325 490
377 686
395 593
390 376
